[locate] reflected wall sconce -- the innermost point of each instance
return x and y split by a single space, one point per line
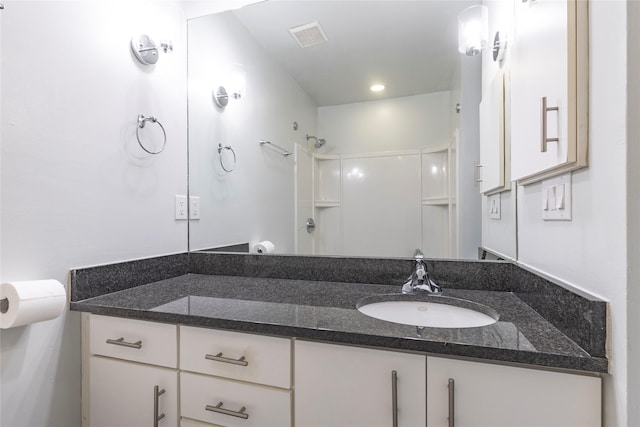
473 33
473 24
237 83
146 50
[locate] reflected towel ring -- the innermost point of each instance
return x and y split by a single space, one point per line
141 122
227 147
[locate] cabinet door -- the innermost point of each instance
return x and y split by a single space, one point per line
492 135
123 394
342 386
486 395
549 60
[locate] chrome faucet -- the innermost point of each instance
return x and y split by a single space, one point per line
420 279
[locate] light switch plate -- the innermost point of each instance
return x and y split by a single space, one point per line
494 207
194 207
556 198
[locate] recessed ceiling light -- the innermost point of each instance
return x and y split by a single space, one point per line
377 88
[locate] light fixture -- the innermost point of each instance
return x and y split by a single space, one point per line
377 88
499 46
146 50
473 29
220 97
236 81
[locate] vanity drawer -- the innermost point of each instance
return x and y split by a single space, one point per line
202 396
135 340
246 357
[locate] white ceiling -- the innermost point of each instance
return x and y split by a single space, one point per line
409 46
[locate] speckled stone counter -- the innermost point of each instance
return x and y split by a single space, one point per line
326 311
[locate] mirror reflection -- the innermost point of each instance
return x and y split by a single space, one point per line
292 151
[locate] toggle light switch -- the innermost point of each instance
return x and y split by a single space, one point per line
559 192
556 198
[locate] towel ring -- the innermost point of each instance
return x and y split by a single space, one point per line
141 122
227 147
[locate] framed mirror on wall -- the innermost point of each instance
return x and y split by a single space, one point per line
377 173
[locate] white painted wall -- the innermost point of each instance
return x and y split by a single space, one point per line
255 202
590 252
76 188
420 121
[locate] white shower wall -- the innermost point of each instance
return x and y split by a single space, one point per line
385 199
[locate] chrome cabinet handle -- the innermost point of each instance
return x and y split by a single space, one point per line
544 140
394 398
121 342
452 402
220 410
476 173
156 397
218 358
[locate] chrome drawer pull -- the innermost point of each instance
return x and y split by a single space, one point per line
218 358
452 402
121 342
156 397
220 410
544 139
476 173
394 398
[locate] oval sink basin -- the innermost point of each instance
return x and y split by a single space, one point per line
437 312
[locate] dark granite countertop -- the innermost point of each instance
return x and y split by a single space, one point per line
326 311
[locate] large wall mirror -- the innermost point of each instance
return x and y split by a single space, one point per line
289 145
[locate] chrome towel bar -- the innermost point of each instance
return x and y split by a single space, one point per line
276 148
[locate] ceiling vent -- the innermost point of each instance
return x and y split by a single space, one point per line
309 34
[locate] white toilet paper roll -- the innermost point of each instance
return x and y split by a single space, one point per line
264 247
31 301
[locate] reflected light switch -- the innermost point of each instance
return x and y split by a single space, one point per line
494 206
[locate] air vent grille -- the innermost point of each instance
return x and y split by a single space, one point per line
309 34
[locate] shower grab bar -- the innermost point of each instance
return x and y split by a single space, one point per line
275 147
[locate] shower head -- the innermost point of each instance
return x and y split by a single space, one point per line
319 142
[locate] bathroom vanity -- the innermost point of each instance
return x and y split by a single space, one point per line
210 349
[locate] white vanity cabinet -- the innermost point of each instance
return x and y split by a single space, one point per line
342 386
133 376
549 62
488 395
208 377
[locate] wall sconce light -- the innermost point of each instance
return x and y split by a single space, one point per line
473 24
146 50
237 83
499 46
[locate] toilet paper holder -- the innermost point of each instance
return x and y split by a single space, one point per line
4 305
